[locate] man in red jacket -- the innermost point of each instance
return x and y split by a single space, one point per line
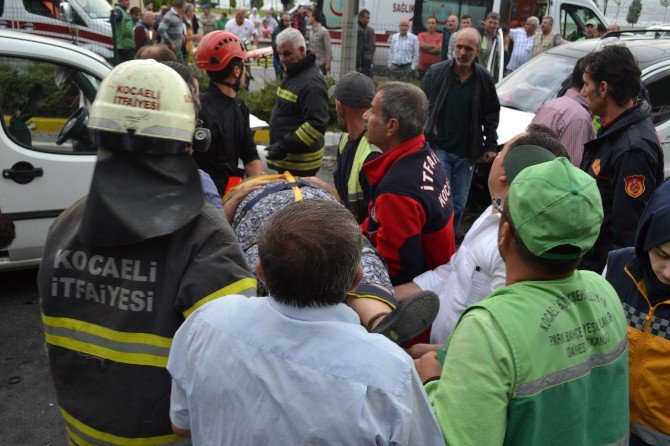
411 213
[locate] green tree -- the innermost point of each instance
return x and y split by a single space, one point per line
665 4
634 11
257 4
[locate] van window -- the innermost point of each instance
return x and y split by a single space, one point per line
47 8
37 98
573 18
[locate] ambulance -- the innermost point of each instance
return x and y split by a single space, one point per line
84 23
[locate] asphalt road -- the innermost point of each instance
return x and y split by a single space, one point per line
28 410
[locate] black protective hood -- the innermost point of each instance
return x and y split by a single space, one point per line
135 197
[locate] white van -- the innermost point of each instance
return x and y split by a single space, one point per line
570 17
82 22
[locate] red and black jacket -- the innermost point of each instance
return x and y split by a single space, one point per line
411 213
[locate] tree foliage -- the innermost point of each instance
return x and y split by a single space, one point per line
256 4
665 4
634 11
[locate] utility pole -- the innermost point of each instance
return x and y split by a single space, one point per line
349 36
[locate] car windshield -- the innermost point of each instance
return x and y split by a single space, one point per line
96 9
535 83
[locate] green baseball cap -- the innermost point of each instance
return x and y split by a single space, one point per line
524 156
556 209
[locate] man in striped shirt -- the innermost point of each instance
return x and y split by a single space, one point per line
524 39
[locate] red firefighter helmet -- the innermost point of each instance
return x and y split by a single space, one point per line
217 49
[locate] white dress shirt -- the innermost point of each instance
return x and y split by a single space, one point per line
404 50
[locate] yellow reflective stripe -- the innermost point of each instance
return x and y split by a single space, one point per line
107 333
294 166
309 128
76 429
285 94
105 352
304 137
297 193
309 156
246 287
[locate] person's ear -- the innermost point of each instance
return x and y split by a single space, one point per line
258 269
357 280
603 89
504 235
392 127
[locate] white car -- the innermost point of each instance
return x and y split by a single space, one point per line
46 155
538 82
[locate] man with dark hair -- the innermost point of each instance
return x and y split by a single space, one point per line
135 15
126 265
447 32
411 211
158 52
296 361
319 42
284 22
171 29
122 23
477 270
222 56
626 156
466 21
430 45
552 341
489 33
464 115
365 44
569 117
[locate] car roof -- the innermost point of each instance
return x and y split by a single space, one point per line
27 37
647 50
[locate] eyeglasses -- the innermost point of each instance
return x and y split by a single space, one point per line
497 205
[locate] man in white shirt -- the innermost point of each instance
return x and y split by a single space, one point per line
297 367
403 52
242 27
476 270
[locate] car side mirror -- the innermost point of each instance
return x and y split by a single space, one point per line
66 12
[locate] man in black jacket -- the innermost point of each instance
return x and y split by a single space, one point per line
626 157
300 115
464 115
222 55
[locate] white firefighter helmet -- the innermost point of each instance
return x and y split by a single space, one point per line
144 98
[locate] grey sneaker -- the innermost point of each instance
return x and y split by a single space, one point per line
411 318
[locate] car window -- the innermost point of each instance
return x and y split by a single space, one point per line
658 88
573 18
47 8
536 82
38 98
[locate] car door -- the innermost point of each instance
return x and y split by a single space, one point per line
40 176
657 81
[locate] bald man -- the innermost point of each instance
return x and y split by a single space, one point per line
464 114
144 30
403 52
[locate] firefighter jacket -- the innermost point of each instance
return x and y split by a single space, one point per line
109 316
299 118
626 161
411 214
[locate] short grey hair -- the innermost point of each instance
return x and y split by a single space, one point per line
189 7
532 20
316 265
408 104
291 35
548 17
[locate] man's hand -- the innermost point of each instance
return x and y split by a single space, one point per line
233 199
418 350
489 156
428 366
276 151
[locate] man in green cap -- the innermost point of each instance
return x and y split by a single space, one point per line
543 360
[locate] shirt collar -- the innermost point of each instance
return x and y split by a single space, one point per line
330 313
377 168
